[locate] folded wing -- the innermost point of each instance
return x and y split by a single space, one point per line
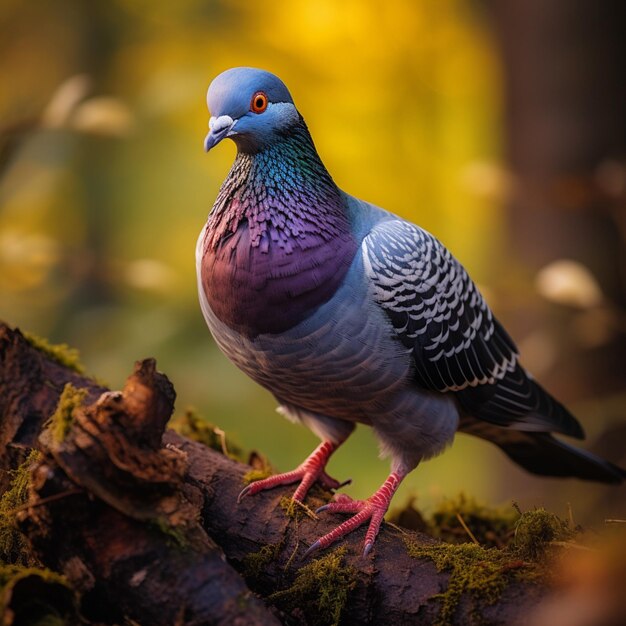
457 345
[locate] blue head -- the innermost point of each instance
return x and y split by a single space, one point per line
250 106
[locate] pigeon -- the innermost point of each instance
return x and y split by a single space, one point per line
350 314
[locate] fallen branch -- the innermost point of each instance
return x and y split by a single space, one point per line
147 517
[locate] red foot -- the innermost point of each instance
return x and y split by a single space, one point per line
373 509
307 473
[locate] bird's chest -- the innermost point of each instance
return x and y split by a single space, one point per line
267 287
328 364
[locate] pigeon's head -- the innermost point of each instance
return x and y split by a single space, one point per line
252 107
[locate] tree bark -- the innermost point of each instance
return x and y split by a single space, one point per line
140 519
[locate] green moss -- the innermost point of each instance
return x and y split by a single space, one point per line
296 510
52 605
408 516
62 419
174 534
255 562
260 468
536 530
290 508
12 542
191 425
490 526
483 573
12 573
511 546
61 353
320 589
256 474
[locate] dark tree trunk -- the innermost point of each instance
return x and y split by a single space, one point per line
564 65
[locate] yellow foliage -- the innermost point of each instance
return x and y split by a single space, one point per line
97 231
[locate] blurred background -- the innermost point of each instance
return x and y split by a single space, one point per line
499 126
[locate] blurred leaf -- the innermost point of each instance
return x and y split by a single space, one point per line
489 180
150 274
590 587
25 259
65 100
103 116
568 282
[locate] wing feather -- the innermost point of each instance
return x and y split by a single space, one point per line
457 345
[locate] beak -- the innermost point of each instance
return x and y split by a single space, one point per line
219 127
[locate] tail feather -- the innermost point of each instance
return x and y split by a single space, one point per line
543 454
520 402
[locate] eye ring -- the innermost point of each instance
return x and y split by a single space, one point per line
259 102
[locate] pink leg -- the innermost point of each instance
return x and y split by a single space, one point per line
373 509
307 473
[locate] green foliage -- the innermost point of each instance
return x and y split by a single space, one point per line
61 352
91 249
320 589
12 542
62 419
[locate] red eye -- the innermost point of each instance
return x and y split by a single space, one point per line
259 102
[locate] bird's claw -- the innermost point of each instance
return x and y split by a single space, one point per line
306 477
363 510
243 493
372 509
345 483
312 548
306 474
339 503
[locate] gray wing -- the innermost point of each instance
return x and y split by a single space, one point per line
457 344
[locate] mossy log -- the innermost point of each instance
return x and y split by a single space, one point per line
139 519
